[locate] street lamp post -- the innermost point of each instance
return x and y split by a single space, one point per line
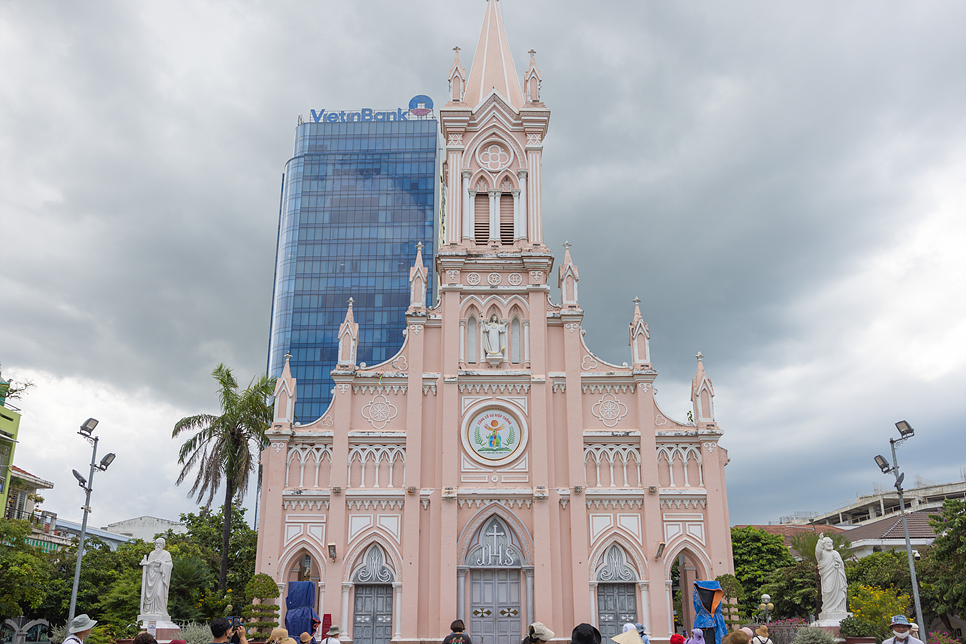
86 430
905 432
766 606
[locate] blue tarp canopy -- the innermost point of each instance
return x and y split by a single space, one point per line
300 616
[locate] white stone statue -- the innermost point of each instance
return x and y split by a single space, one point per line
494 338
834 585
155 582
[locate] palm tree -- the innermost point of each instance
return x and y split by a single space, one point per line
222 446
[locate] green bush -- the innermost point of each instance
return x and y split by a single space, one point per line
857 627
813 635
262 588
195 633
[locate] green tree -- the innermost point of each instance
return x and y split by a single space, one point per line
733 594
757 554
262 587
794 590
24 569
203 539
877 606
888 569
222 447
190 576
945 584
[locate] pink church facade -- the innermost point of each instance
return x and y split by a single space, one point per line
495 469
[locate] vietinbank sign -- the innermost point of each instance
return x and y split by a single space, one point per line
419 106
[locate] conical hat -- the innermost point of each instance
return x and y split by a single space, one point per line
630 637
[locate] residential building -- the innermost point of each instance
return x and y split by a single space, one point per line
9 430
358 196
494 469
25 496
145 528
884 503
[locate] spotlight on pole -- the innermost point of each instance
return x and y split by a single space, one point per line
905 429
88 427
883 464
106 461
80 479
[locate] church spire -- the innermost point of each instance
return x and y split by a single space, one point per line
639 338
285 395
532 80
493 68
417 281
702 395
348 339
457 79
568 280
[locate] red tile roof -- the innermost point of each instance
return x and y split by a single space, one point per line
789 531
24 474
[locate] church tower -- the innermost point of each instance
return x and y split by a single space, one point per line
495 469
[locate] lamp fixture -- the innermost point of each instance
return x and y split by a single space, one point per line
337 490
332 552
660 550
88 427
578 489
80 479
107 460
411 489
905 429
883 464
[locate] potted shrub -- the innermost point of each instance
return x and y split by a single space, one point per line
263 589
856 630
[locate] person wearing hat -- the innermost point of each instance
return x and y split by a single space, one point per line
761 636
277 636
900 631
585 634
79 629
305 638
538 633
677 638
332 637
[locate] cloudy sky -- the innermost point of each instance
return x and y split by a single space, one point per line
781 183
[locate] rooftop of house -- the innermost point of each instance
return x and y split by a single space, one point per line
33 480
891 528
789 531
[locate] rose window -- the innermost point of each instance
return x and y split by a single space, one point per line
494 157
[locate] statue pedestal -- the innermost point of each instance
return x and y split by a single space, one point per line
830 619
495 359
161 626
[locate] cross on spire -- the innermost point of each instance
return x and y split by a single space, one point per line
456 49
419 245
351 301
699 355
532 52
567 245
636 300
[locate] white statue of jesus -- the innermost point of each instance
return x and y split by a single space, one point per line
494 337
834 585
155 581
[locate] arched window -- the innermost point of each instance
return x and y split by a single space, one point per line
515 340
374 569
506 218
472 333
481 218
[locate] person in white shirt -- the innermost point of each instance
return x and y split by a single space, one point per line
761 636
900 631
332 637
79 629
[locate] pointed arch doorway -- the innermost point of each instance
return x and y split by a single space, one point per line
616 582
497 580
372 615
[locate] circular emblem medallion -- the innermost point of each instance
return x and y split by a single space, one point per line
494 436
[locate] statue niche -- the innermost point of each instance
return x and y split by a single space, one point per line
494 340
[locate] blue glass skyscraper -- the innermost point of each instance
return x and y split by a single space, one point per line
358 195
